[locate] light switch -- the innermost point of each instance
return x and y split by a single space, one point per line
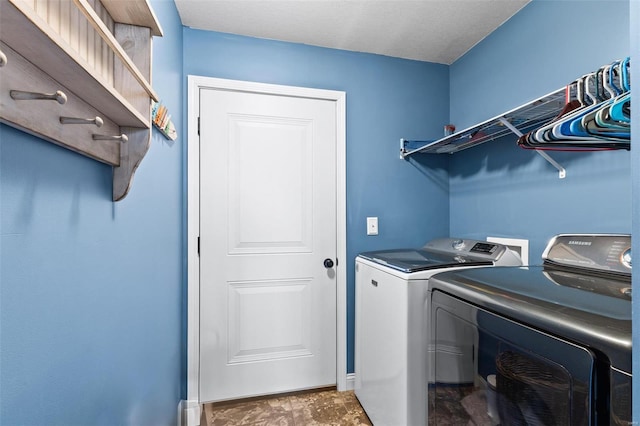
372 226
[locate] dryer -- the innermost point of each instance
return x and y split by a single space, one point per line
550 344
391 332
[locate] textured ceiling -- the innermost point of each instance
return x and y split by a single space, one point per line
438 31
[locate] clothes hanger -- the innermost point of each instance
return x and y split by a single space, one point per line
576 125
596 118
620 108
605 92
585 126
626 80
544 133
599 122
568 128
607 83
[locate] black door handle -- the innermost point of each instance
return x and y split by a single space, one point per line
328 263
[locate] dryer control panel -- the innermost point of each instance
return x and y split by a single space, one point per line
480 250
597 252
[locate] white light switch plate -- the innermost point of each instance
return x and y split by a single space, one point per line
372 226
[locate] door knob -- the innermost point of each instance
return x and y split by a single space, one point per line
328 263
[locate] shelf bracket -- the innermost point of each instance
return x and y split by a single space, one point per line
403 149
562 173
406 150
131 154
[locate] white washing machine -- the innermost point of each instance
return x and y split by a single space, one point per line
391 328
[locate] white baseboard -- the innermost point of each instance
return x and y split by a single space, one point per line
351 381
188 413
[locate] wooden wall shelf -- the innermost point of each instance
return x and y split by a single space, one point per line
102 65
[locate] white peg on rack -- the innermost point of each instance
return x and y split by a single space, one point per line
3 59
19 95
74 120
121 137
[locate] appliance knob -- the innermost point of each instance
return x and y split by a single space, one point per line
457 244
626 258
328 263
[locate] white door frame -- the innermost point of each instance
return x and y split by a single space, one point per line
195 83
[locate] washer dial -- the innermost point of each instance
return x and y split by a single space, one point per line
457 244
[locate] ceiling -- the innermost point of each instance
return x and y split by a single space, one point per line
439 31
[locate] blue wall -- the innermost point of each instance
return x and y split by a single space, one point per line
92 312
499 189
387 99
90 290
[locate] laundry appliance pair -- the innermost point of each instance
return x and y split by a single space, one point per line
472 344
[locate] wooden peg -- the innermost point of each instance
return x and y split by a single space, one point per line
19 95
121 137
73 120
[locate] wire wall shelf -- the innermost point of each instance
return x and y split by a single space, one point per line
518 120
524 118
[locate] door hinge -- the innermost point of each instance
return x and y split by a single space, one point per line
198 126
198 246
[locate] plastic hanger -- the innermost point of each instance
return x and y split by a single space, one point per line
626 81
596 115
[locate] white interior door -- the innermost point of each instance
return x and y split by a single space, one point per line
267 223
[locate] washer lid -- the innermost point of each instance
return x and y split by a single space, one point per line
414 260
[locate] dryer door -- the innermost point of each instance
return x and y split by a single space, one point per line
488 370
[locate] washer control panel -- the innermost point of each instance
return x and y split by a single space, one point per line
472 249
487 248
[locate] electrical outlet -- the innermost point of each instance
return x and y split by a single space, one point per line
372 226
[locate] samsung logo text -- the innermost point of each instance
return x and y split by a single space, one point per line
579 243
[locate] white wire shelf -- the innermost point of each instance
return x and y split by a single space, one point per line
518 120
524 118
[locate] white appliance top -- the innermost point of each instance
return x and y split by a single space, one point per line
444 253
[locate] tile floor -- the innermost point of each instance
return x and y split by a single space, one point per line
325 407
